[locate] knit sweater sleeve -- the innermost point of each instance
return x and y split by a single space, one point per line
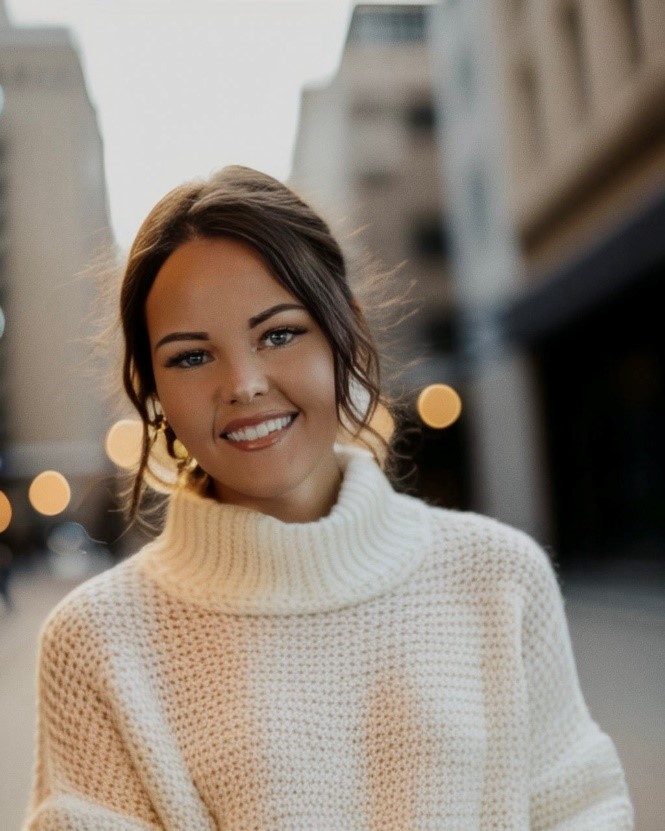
576 779
84 778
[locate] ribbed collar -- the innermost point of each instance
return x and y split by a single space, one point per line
242 561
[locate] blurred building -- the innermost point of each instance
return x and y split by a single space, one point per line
3 292
366 156
554 136
53 222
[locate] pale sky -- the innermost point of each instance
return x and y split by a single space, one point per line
183 87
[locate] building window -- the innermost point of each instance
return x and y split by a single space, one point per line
365 109
517 7
420 117
383 24
574 40
429 240
375 179
440 333
478 202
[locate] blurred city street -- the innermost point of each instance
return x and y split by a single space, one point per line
33 595
619 642
495 177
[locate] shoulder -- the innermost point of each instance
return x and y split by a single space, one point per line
87 615
489 551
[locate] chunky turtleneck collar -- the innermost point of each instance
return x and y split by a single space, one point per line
241 561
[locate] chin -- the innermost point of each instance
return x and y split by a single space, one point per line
274 483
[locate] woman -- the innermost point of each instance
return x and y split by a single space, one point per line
301 647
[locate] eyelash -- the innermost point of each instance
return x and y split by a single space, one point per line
181 357
289 330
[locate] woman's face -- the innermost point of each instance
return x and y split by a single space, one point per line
245 377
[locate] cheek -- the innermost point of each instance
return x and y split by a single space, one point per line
177 405
320 381
165 396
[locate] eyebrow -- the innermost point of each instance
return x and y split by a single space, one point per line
181 336
253 322
273 310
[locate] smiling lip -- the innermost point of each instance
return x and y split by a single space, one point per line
239 423
261 442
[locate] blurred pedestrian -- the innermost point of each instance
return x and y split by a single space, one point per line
302 647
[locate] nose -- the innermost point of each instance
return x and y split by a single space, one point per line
242 379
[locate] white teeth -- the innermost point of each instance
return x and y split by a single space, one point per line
260 430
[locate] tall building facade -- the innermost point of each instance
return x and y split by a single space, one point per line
366 155
554 134
506 480
54 221
366 151
583 90
3 278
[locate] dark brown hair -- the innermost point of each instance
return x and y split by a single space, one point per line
302 254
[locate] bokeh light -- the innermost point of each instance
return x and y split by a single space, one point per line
439 406
123 443
2 322
49 493
5 512
73 554
383 422
67 537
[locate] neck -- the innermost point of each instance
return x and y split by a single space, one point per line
242 561
311 500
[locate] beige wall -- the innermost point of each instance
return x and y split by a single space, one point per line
372 174
584 94
56 219
507 473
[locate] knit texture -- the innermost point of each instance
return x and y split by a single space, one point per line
389 667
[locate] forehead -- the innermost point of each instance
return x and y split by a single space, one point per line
205 276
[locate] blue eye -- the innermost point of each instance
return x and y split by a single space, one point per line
185 360
281 336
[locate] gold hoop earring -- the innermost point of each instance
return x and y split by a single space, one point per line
160 424
180 451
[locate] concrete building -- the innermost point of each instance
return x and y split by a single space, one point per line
554 137
54 221
3 292
366 155
503 423
583 89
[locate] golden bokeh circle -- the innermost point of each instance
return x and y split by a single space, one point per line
5 512
383 422
439 406
123 443
49 493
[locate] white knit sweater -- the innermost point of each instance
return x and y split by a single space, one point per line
390 667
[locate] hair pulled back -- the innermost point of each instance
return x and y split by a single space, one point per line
303 256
